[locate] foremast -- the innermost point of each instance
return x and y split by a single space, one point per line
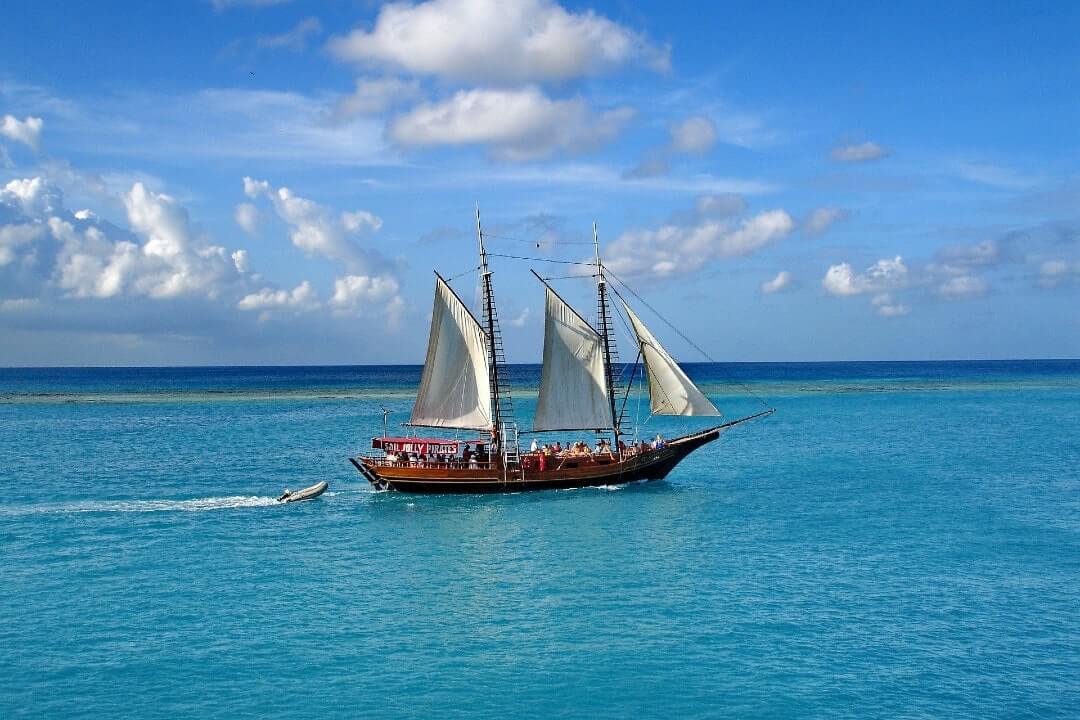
503 428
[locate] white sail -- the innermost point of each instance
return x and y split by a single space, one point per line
670 391
573 389
455 389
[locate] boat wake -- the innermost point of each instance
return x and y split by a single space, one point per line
142 506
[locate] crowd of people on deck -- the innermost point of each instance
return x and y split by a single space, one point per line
544 456
551 456
469 458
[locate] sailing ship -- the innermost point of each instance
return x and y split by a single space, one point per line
465 386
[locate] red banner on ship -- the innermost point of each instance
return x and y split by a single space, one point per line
422 446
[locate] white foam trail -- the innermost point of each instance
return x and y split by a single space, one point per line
125 506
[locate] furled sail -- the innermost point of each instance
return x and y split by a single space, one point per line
670 391
455 389
573 389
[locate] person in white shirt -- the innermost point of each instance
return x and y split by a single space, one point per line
533 447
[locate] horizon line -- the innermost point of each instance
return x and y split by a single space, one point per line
526 364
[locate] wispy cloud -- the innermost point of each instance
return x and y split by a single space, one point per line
611 180
859 152
295 39
222 5
256 125
995 176
821 219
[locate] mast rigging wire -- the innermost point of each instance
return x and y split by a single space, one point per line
607 271
690 342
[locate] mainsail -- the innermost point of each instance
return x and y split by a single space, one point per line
455 389
671 392
573 389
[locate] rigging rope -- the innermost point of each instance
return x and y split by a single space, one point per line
462 274
539 259
569 277
690 342
538 243
607 271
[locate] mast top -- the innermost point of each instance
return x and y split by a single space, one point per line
596 249
480 238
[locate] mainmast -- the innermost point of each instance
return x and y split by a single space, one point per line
604 321
502 406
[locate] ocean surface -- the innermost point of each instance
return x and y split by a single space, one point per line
898 540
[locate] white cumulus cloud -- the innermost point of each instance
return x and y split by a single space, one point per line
26 131
354 290
885 274
360 219
34 197
887 306
778 283
170 261
317 230
372 296
496 41
676 248
302 297
519 124
240 261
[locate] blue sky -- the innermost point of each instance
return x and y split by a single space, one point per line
261 182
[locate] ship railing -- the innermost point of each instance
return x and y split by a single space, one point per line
457 464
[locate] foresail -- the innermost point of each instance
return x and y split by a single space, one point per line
455 389
573 389
671 392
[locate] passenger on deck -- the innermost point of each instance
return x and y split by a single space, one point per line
534 446
558 448
466 454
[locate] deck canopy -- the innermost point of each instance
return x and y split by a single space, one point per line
455 389
671 392
573 388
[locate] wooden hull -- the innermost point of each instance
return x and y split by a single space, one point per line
651 465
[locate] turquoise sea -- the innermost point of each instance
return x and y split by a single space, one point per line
898 540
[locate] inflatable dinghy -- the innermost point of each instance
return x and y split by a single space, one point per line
308 493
